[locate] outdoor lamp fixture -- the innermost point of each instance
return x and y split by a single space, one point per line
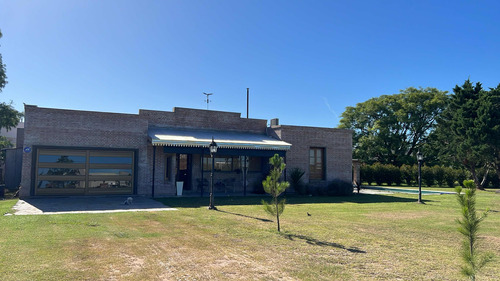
420 159
213 149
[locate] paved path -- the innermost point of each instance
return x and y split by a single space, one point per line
74 205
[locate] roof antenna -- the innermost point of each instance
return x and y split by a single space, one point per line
208 100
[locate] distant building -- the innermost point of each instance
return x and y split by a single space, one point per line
11 134
10 168
70 152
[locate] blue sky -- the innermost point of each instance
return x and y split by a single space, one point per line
304 61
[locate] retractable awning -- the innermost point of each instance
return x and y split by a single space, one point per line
225 139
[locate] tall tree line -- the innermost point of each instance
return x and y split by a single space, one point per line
460 129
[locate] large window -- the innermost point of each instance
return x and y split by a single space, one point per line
316 163
222 164
65 171
232 164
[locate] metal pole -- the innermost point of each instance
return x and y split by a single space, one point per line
153 180
248 98
201 161
419 181
245 170
211 206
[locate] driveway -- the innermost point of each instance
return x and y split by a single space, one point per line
74 205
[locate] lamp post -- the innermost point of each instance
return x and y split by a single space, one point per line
420 159
213 149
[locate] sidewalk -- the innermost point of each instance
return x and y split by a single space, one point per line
75 205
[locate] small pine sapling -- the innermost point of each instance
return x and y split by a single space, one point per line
275 187
468 227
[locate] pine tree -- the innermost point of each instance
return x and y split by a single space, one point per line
275 188
468 227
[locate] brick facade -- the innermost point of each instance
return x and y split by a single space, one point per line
46 127
336 142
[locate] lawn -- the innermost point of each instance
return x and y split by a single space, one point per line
362 237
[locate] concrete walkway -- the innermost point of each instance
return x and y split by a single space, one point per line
75 205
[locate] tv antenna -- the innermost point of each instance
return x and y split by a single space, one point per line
208 100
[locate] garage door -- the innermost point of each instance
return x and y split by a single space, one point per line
84 172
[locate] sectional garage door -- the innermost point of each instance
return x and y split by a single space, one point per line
84 172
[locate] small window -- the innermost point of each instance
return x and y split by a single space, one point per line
317 163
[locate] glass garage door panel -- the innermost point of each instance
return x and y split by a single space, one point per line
84 172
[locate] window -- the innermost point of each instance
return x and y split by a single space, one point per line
222 164
316 163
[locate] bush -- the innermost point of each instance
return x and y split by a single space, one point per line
296 181
438 172
449 176
339 188
317 190
427 176
367 174
379 173
407 174
393 175
494 180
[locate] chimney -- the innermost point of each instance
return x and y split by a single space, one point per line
275 122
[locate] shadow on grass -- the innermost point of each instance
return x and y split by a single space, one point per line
313 241
245 216
196 202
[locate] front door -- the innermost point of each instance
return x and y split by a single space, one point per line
184 170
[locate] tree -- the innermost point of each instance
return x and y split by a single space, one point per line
468 227
273 186
3 76
389 128
9 117
469 129
489 113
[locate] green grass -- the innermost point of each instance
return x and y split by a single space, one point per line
362 237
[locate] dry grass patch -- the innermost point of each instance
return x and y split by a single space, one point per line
351 238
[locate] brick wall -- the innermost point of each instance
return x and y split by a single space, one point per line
88 129
337 144
84 129
203 119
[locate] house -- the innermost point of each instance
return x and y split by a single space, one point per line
163 153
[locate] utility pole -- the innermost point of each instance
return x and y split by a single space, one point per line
208 100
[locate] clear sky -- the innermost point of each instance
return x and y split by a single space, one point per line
304 61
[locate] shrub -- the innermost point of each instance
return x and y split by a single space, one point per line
379 173
494 180
317 189
393 175
427 176
339 188
438 172
449 176
296 181
367 174
407 173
